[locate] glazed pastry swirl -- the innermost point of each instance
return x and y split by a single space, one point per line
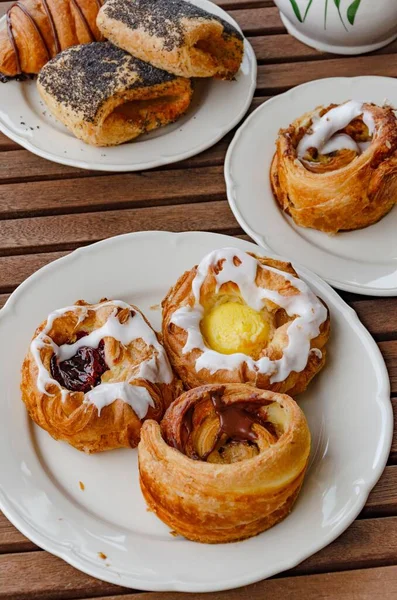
335 168
93 363
267 287
227 463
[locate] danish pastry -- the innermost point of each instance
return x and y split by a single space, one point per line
240 318
107 97
36 30
335 168
227 463
94 372
174 35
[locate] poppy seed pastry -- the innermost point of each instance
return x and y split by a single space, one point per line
107 97
174 35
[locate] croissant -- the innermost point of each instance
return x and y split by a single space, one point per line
335 168
36 30
94 372
227 463
174 35
241 318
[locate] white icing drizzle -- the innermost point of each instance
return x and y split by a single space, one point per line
310 313
155 369
323 130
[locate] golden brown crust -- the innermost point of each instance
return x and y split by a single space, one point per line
174 35
115 98
349 191
79 424
39 38
225 502
174 338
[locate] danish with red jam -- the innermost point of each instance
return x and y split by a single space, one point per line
94 372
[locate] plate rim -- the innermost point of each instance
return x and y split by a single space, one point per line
230 183
173 584
158 161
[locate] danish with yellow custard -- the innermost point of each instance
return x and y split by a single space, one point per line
227 462
94 372
241 318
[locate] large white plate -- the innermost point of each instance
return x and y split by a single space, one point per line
347 406
216 108
362 261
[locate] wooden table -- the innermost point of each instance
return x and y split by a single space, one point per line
47 210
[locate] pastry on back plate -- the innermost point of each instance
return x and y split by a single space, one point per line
174 35
36 30
335 168
107 97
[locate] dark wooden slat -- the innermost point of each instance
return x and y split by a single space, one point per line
393 451
383 498
367 543
11 540
108 191
379 316
389 351
66 231
46 577
3 299
278 77
258 20
285 48
15 269
369 584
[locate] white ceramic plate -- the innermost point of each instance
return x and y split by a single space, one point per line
216 108
39 477
362 261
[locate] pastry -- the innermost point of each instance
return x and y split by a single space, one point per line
227 463
335 168
241 318
94 372
174 35
107 97
35 31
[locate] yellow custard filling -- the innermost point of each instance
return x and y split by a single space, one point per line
232 327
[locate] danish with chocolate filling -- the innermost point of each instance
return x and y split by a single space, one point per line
107 97
241 318
94 372
335 168
35 31
174 35
227 462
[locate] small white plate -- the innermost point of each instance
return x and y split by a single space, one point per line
216 108
362 261
39 477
